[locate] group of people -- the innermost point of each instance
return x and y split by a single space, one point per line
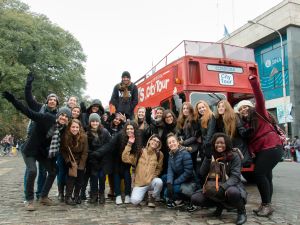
159 155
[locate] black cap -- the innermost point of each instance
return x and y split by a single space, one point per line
126 74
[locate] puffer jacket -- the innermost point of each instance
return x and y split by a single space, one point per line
180 167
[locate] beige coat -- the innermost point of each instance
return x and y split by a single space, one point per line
148 166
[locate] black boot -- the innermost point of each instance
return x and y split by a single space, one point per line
61 196
77 200
94 198
69 201
218 211
241 216
101 198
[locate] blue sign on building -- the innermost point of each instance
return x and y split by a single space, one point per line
268 58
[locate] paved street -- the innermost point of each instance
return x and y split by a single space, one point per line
286 201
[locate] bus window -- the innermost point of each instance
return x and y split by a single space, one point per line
194 72
211 98
165 104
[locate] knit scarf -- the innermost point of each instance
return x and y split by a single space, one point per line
55 142
126 93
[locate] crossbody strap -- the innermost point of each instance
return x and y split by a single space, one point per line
71 155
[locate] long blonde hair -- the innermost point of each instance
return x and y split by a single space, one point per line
229 118
206 116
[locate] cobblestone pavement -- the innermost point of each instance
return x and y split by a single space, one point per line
285 201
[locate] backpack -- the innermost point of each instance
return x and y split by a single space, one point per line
216 176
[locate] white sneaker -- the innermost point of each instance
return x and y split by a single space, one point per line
119 200
127 199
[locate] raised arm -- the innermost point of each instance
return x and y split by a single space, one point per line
31 102
258 95
35 116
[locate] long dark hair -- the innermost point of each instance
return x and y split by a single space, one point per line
138 144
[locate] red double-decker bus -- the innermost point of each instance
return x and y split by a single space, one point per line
199 71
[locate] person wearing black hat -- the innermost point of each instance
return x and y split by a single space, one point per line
42 146
50 106
125 96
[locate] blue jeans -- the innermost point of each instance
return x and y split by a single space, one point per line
127 180
42 174
62 170
176 192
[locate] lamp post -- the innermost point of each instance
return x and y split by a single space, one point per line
282 71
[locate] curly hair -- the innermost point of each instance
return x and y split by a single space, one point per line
138 144
208 114
70 139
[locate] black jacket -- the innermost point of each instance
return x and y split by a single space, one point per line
233 171
95 145
122 105
38 143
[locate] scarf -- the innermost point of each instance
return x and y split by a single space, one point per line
55 141
124 89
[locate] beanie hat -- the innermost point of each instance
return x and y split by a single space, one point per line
244 102
126 74
52 95
64 110
94 117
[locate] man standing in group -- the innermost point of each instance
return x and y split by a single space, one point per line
125 96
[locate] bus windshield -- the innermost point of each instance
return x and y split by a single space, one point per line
211 98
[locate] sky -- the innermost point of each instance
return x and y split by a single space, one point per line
133 35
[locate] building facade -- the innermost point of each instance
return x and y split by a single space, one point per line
276 54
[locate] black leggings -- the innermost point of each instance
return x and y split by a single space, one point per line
265 161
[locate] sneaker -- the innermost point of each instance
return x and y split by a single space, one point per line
47 201
29 206
119 200
191 208
127 199
151 202
171 204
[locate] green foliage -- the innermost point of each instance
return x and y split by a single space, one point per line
30 42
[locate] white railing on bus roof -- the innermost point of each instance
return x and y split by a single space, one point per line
202 49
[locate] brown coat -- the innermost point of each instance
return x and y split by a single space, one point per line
79 152
148 166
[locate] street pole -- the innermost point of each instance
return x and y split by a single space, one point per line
282 72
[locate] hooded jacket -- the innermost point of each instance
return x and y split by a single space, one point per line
148 166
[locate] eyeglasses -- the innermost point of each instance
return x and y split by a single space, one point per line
156 140
170 116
